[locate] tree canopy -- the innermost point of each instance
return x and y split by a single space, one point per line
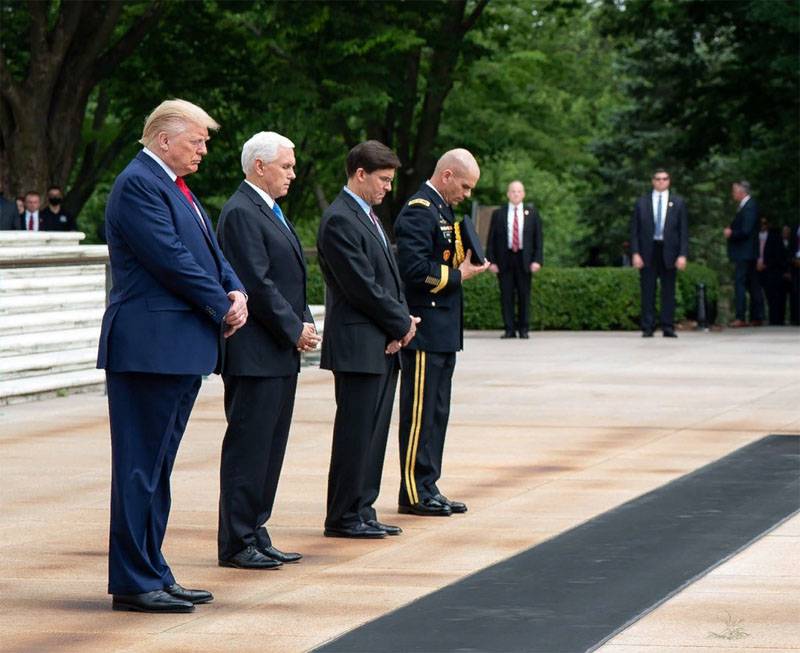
578 99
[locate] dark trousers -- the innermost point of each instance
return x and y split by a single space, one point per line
259 413
794 295
148 415
515 288
424 413
772 284
746 282
360 431
648 276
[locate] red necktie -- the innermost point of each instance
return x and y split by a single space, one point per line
515 235
30 221
180 183
377 224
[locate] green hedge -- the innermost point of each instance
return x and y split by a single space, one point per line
579 299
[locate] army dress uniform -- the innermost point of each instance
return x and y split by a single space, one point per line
429 252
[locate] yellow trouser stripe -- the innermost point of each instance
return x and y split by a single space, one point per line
443 280
416 424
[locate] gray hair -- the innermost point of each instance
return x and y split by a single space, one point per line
744 185
264 146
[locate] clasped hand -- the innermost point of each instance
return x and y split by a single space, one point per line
309 338
237 313
395 345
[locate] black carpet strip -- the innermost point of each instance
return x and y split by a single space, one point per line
575 591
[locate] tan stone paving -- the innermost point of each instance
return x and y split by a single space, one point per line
544 434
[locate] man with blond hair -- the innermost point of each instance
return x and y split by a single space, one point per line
433 265
263 360
174 297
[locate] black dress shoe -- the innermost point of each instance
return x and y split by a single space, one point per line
280 556
509 334
386 528
647 334
428 507
669 333
193 596
455 506
155 601
524 335
250 558
362 530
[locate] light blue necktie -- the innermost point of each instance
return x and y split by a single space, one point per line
659 235
277 211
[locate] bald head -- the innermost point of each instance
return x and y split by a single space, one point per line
515 192
455 176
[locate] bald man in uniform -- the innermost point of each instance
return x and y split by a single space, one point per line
433 265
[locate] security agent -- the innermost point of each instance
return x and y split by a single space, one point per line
433 265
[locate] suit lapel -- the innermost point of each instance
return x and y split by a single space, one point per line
274 220
362 218
667 212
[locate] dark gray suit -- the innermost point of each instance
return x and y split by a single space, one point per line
261 366
365 309
9 217
743 252
659 256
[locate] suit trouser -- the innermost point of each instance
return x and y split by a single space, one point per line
794 295
148 415
259 413
515 287
746 281
360 431
648 276
424 412
772 284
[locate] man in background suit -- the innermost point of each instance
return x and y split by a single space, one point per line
174 297
660 245
30 218
263 360
9 216
366 323
742 236
515 251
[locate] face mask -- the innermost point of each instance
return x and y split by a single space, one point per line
55 201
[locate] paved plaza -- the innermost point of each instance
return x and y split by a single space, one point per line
544 434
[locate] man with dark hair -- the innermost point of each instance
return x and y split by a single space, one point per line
53 217
434 265
367 321
30 219
659 245
742 236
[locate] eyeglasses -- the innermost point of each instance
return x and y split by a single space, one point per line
661 178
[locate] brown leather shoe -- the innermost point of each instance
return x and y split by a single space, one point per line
757 323
738 324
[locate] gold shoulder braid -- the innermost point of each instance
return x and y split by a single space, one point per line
458 259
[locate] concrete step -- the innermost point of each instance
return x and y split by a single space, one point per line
53 362
51 271
54 340
15 256
44 322
50 385
40 238
43 282
47 302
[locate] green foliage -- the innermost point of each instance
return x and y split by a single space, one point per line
315 283
582 298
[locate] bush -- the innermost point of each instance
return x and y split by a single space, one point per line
577 299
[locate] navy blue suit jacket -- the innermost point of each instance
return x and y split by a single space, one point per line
170 279
676 229
743 242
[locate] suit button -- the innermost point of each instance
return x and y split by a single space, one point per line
433 303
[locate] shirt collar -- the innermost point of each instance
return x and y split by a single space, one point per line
359 200
166 168
428 182
262 194
744 201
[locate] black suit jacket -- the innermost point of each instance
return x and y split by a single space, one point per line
268 258
497 243
743 242
9 217
676 229
365 307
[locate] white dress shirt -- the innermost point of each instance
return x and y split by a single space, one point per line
35 215
262 194
510 222
659 219
172 176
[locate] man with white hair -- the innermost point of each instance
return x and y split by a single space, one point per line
262 361
174 297
433 266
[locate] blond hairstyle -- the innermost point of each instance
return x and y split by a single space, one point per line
173 117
